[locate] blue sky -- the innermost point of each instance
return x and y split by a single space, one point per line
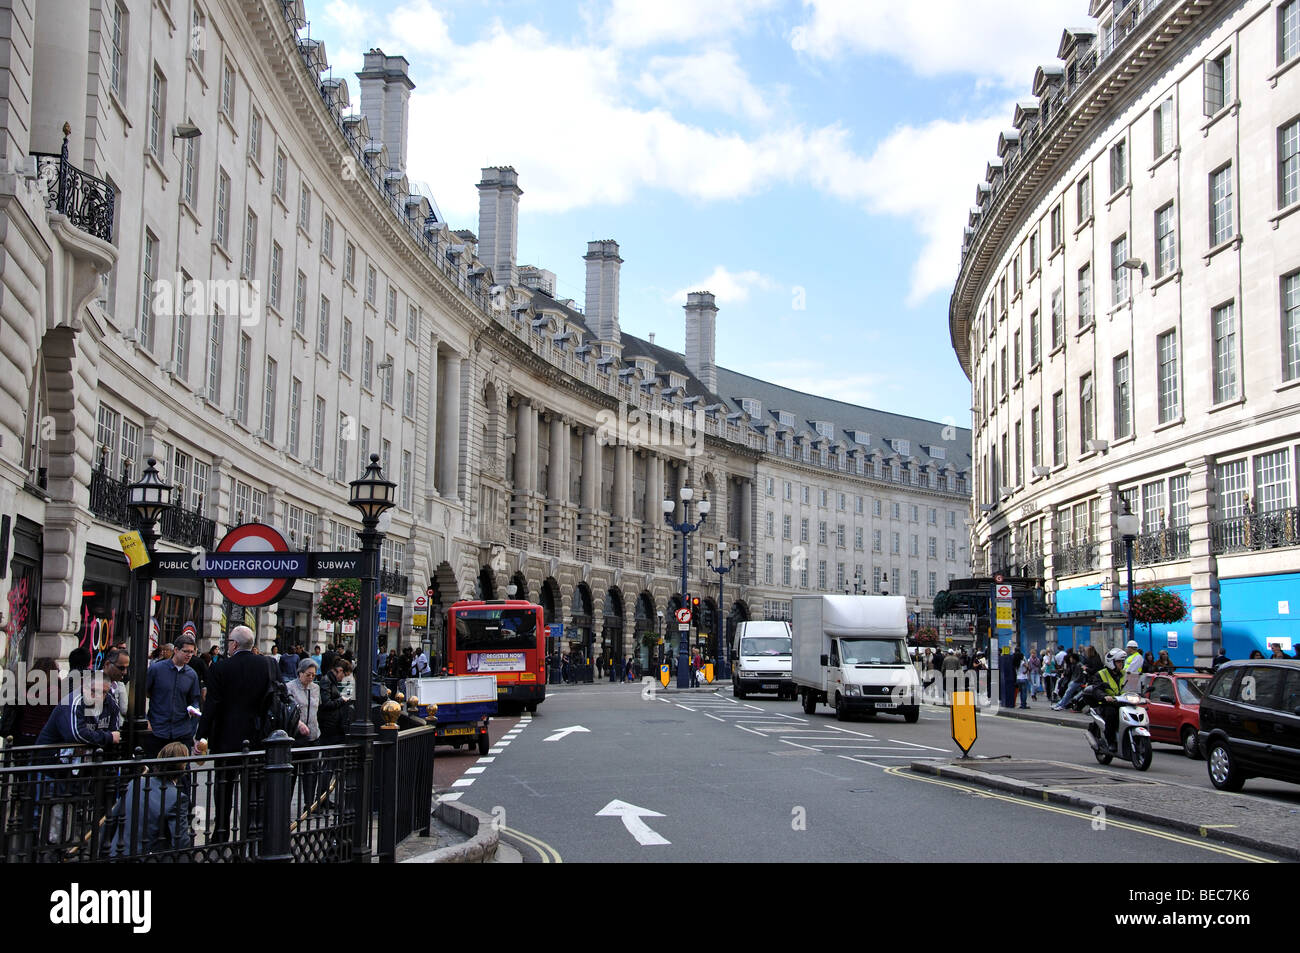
810 162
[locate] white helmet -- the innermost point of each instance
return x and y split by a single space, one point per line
1115 657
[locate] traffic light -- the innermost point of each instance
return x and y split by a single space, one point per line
429 592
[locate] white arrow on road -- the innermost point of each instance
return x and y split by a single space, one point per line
631 816
566 731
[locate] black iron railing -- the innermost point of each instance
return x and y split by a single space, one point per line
1158 546
404 785
392 582
1255 531
181 525
1070 558
87 201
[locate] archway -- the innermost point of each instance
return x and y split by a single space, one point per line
444 591
520 582
611 635
739 613
646 626
485 587
580 639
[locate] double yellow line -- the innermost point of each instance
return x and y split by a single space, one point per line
1232 852
548 854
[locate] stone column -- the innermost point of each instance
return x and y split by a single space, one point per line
1202 508
430 422
590 471
556 489
747 560
449 462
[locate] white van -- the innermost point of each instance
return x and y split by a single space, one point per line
762 659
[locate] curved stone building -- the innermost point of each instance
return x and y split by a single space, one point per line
229 271
1128 311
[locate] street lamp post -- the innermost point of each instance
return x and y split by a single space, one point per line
722 648
1128 526
686 527
148 499
373 496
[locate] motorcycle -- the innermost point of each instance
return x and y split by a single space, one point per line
1133 733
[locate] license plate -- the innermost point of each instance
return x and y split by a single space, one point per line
458 731
769 688
886 704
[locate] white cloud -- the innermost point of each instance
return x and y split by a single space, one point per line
865 390
637 23
710 80
419 28
982 37
727 287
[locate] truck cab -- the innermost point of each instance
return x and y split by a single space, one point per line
762 659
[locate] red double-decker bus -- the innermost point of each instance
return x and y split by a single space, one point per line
505 639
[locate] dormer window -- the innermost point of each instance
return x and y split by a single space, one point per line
824 428
785 418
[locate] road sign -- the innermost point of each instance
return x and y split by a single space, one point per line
684 616
419 620
1002 592
421 602
964 731
251 539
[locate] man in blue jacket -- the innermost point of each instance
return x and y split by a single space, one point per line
174 694
89 715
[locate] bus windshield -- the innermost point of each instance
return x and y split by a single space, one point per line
481 630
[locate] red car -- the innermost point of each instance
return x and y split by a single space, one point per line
1175 708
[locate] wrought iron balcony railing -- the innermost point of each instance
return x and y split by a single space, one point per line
1075 557
1256 531
392 582
1158 546
179 524
87 201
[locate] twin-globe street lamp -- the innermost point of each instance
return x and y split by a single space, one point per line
721 570
148 499
1129 525
686 527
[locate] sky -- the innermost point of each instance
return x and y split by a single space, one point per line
809 162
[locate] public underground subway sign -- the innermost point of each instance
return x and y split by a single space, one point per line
255 547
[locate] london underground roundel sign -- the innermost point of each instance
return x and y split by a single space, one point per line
251 539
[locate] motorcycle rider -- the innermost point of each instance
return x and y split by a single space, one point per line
1103 687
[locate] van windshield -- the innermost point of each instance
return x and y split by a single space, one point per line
767 645
872 652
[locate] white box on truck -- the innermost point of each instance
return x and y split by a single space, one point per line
762 659
850 652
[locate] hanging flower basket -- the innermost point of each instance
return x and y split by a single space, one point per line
1158 606
340 601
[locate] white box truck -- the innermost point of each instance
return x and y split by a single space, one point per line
850 652
762 659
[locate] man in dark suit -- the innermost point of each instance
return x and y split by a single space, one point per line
237 689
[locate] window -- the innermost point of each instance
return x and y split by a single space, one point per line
1288 162
1162 123
932 548
1218 82
1083 199
281 174
916 546
250 243
349 262
1057 227
228 88
277 268
821 575
1272 481
894 543
1020 453
371 280
1167 376
1153 506
1035 345
1166 248
242 371
157 113
1230 478
1291 327
300 304
345 349
341 448
785 526
875 541
803 530
912 583
876 507
1085 295
318 434
367 363
190 172
1033 253
1015 274
1119 275
255 135
407 474
771 523
1003 364
1223 328
408 394
951 552
304 208
295 415
1178 511
1058 318
767 569
390 312
1015 356
413 326
1118 166
117 57
323 326
327 236
785 572
181 338
1058 428
1123 401
216 338
857 538
1087 422
1221 206
146 290
268 400
388 380
896 509
1288 31
805 495
223 209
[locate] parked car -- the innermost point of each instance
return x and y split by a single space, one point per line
1250 722
1175 708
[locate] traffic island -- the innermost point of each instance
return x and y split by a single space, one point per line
1236 819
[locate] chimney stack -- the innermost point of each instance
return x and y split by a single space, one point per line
602 289
701 328
498 222
385 96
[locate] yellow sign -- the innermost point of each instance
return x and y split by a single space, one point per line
420 620
134 549
708 672
964 731
664 676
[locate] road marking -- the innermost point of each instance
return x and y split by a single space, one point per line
485 760
751 731
683 707
462 782
901 772
546 852
451 797
631 816
786 741
572 729
475 770
912 744
714 717
497 750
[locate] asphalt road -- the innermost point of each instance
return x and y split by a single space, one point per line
705 777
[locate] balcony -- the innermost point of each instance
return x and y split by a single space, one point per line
86 201
179 524
1255 532
1158 546
1071 558
391 582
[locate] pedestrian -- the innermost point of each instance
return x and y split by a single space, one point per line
1163 663
172 688
335 710
1072 679
1035 673
420 664
306 693
88 716
288 665
1277 651
117 665
1148 664
237 694
41 697
153 814
1022 682
1132 666
1049 674
1256 653
1219 659
348 687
